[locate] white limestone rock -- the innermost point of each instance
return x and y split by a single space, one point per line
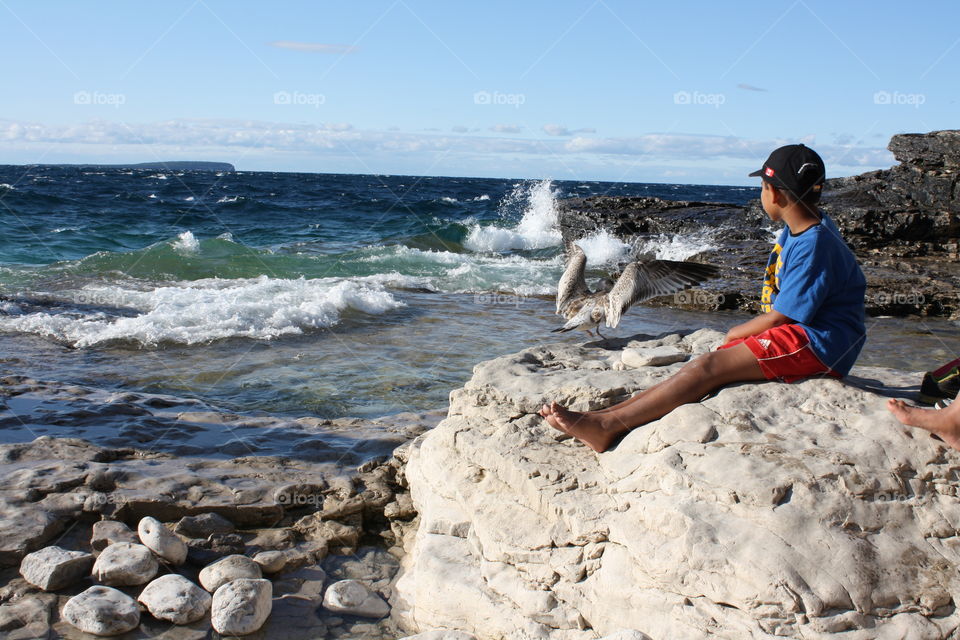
242 606
441 634
53 568
271 561
125 564
107 532
354 598
653 357
227 569
767 509
162 541
175 599
102 611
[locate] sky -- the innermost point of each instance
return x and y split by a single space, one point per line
621 90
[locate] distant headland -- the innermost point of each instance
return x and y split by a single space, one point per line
175 165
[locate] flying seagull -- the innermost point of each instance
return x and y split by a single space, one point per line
641 280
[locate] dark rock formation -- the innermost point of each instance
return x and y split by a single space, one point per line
903 223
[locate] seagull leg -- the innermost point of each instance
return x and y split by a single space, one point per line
600 334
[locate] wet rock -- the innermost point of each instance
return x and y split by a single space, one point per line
125 564
203 525
107 532
175 599
241 607
162 541
27 617
228 569
306 582
102 611
354 598
218 545
53 568
331 532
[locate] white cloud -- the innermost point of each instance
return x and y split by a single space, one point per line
241 141
749 87
506 128
314 47
460 129
560 130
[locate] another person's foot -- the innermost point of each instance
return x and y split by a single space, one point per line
596 431
943 422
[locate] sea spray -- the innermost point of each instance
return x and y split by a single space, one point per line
537 228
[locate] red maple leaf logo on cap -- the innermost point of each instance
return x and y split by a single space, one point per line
768 172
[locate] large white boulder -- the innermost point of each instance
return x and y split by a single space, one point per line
767 509
53 568
162 541
354 598
228 569
102 611
241 606
174 598
125 564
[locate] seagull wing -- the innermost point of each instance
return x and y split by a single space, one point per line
642 280
572 283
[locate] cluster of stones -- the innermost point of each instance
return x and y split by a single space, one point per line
232 589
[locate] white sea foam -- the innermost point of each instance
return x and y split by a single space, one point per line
62 229
449 200
676 246
186 243
8 187
228 199
189 199
481 198
205 310
468 273
537 228
603 248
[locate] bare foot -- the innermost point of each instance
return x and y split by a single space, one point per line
547 413
594 430
943 423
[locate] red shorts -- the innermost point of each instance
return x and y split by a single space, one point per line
784 353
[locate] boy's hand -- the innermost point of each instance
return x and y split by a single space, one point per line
757 325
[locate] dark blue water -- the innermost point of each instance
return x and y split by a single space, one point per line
294 293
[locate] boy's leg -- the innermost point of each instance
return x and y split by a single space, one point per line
943 422
695 380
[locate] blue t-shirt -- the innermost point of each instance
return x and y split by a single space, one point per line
813 278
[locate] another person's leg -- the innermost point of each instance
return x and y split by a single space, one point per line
599 430
943 422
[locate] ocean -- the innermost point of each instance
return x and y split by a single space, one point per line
315 294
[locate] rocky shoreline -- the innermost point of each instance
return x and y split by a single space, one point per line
766 510
309 519
901 222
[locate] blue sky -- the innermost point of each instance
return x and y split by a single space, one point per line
690 92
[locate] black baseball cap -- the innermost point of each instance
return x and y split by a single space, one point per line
794 167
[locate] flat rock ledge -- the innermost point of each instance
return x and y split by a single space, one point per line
766 510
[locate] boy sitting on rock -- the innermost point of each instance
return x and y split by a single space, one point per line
813 312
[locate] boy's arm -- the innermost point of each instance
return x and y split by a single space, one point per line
757 325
